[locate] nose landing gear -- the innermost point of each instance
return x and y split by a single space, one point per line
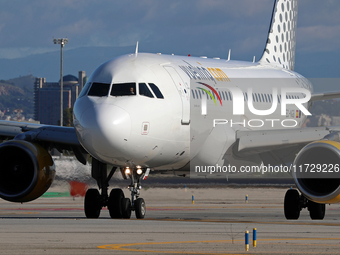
118 205
137 203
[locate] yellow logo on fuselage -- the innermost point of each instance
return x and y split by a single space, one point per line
218 74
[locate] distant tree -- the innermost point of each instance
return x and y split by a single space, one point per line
68 117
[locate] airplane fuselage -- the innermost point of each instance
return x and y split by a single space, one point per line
168 129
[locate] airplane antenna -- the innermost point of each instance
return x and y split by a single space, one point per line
254 59
136 49
229 54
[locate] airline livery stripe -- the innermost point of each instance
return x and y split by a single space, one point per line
213 90
208 92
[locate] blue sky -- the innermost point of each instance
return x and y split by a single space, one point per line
209 27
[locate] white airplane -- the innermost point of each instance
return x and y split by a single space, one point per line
143 112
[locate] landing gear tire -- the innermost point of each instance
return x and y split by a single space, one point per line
292 204
114 203
91 205
316 211
140 208
126 207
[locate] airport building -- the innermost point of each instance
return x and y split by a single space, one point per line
47 97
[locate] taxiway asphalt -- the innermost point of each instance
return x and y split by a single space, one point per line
214 224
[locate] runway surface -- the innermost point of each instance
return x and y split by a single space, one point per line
214 224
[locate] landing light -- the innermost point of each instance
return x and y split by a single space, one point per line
139 171
127 170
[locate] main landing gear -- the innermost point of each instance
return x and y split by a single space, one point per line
118 205
294 202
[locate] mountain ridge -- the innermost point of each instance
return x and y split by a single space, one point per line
47 65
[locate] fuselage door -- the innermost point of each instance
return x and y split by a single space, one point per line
184 92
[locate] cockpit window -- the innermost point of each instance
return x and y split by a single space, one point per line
99 89
144 90
123 89
156 90
85 89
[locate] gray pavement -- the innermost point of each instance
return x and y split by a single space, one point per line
214 224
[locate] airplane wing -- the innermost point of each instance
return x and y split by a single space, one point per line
278 146
325 96
61 138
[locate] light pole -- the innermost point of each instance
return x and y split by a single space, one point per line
62 42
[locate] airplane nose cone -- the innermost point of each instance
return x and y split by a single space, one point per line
105 130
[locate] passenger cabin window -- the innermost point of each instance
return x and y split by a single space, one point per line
123 89
156 90
99 89
144 90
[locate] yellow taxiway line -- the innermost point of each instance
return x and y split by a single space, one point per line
127 247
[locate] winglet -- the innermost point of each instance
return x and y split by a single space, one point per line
136 53
281 42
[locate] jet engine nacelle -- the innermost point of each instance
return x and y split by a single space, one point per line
317 171
27 171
